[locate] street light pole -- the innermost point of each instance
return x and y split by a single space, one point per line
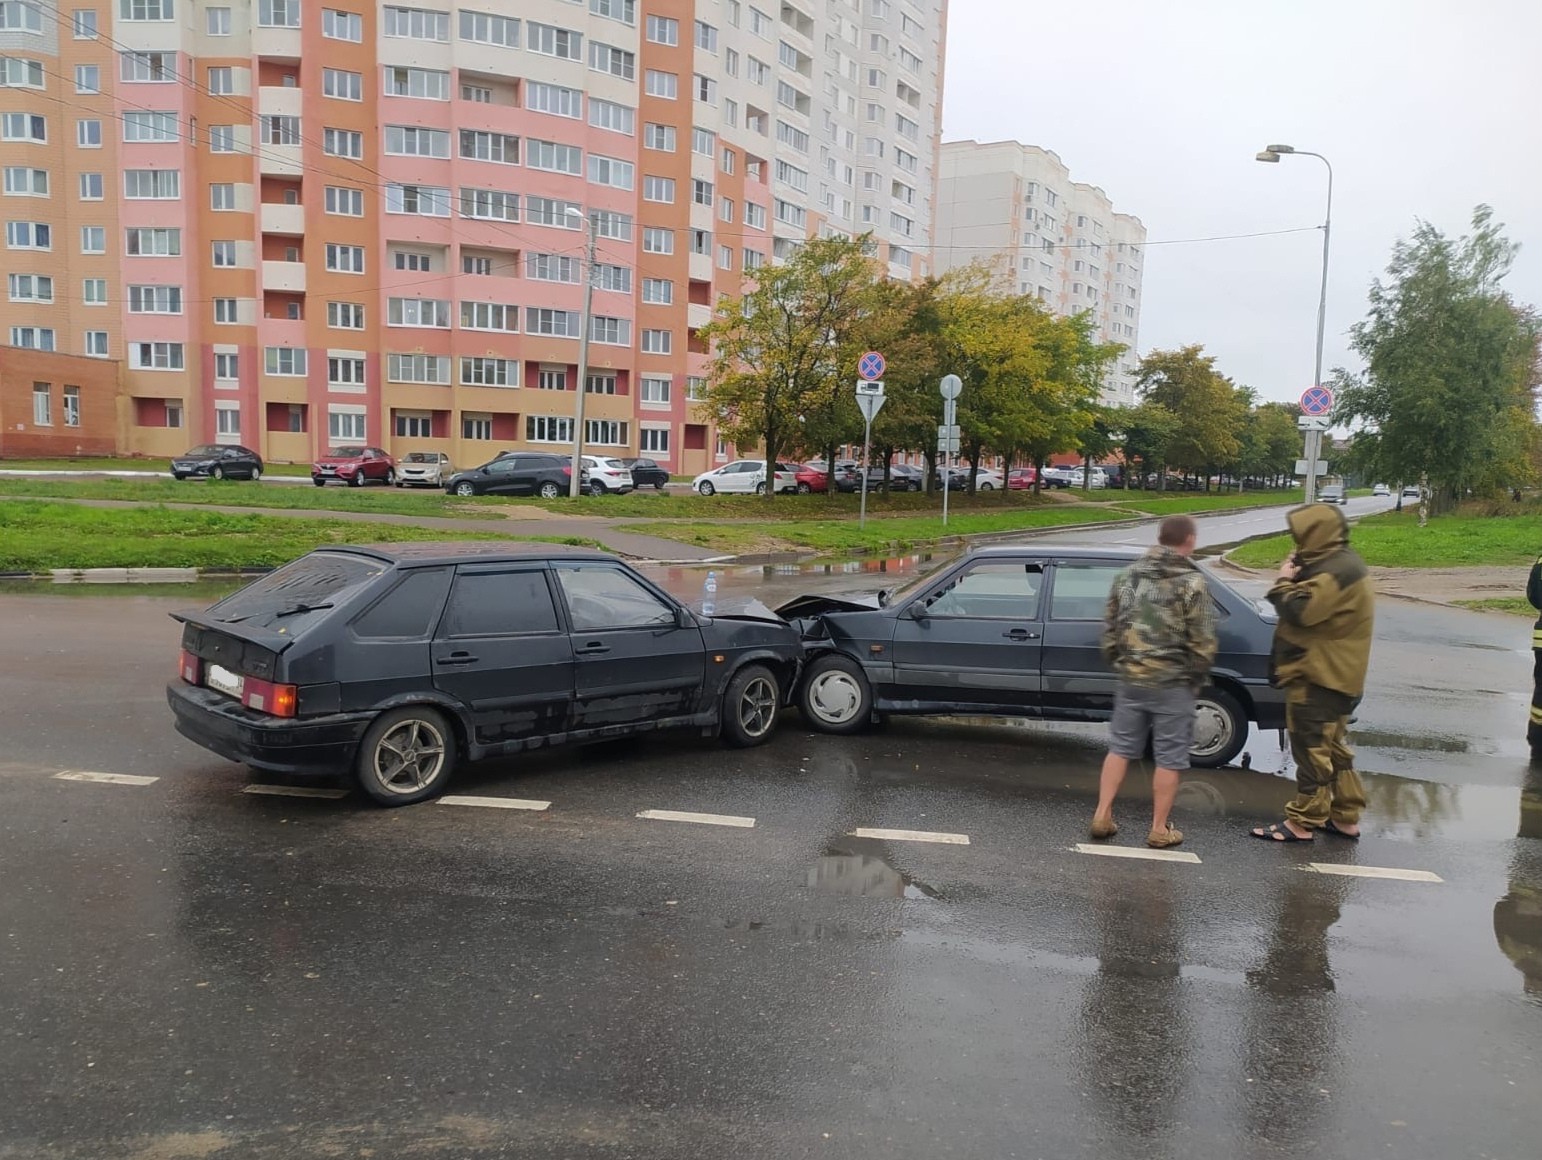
575 484
1272 154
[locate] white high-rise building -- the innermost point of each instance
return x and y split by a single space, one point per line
1017 203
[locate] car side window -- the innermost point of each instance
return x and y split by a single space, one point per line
500 467
602 597
1081 590
409 610
502 603
1000 590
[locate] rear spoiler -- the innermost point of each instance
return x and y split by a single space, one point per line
275 640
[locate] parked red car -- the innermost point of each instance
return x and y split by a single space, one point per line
354 466
811 479
1022 478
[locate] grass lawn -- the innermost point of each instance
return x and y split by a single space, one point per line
844 536
1394 540
109 464
35 537
239 493
1515 605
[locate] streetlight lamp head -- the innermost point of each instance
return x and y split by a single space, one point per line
1267 155
1280 148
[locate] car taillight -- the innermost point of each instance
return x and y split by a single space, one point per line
266 697
567 470
189 667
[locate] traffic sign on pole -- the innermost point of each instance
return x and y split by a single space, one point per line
951 386
871 365
1314 422
870 405
1316 401
869 386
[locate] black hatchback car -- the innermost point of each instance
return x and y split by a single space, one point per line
516 473
1014 631
397 662
647 473
218 461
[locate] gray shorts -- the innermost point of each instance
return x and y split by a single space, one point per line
1163 716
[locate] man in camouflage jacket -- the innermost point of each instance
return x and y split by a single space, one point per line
1159 638
1534 726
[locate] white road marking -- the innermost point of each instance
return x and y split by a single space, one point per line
1136 852
300 791
108 778
492 803
912 836
702 819
1372 872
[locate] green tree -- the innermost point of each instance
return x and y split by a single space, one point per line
1141 434
782 352
1448 393
1186 382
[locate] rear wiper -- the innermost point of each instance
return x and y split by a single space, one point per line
298 608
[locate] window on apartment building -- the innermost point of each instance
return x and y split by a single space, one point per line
42 405
433 313
657 341
416 141
222 138
345 259
155 299
414 425
551 211
221 80
655 389
153 242
610 331
72 406
658 291
217 21
418 368
288 361
342 84
279 130
489 204
24 127
658 240
659 189
147 9
418 83
88 78
609 115
345 371
557 100
551 379
665 85
156 356
549 40
30 287
224 253
554 157
337 25
30 236
551 268
342 143
278 13
695 388
606 432
227 367
610 224
423 200
484 28
606 58
623 10
139 125
554 323
32 337
548 429
414 24
611 171
617 279
489 316
476 427
226 311
477 145
222 196
653 440
93 240
663 30
345 425
706 36
659 137
147 67
345 315
753 260
346 202
489 372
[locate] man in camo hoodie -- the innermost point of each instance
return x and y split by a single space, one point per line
1159 637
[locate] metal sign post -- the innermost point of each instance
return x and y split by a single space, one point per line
870 402
947 434
1316 406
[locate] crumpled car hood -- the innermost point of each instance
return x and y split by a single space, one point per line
739 609
803 606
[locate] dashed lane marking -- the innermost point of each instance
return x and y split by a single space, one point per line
299 791
105 778
1391 872
911 836
700 819
492 803
1136 852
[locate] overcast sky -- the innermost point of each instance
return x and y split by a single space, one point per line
1425 108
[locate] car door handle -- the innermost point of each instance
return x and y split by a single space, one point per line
593 648
456 658
1021 634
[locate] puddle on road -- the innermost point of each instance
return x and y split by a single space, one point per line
864 875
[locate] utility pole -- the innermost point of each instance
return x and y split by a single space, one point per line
575 484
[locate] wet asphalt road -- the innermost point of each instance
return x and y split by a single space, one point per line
191 971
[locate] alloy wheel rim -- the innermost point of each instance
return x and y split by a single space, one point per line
408 757
757 707
835 697
1212 729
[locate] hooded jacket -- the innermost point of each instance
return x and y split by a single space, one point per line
1159 628
1326 613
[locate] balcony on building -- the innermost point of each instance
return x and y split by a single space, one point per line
282 213
698 311
287 429
278 46
283 265
279 95
798 21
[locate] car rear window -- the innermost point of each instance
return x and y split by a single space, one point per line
614 464
294 596
346 452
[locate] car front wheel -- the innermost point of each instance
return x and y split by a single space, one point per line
550 490
750 705
706 488
465 489
356 479
407 755
217 472
835 696
987 487
659 486
318 482
1220 729
390 477
256 474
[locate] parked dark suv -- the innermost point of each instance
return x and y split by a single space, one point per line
647 473
516 473
1013 631
397 662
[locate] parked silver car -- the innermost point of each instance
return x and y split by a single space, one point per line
423 469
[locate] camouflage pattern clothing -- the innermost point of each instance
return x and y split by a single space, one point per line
1159 627
1534 726
1322 648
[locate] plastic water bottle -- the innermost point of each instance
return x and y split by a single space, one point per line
709 594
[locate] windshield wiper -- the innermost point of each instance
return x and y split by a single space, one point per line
294 609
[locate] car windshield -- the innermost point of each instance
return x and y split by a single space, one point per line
291 596
346 452
421 457
206 449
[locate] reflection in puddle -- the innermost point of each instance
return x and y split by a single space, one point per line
866 875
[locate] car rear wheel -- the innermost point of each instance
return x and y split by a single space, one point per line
256 474
407 755
596 488
550 490
660 485
217 472
760 488
987 487
804 489
750 705
1220 729
706 488
465 488
835 696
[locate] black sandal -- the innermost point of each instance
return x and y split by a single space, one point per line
1330 828
1279 832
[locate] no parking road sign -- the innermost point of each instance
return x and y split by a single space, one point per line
1316 401
871 365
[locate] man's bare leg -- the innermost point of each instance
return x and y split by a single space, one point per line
1114 769
1164 791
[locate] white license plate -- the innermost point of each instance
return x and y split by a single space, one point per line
222 680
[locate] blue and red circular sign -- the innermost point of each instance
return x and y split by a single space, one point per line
1316 401
871 365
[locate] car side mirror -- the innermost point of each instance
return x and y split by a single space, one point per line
917 611
684 617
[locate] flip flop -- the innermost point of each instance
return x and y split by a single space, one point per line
1330 828
1280 828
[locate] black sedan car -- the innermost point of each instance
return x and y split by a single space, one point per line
1013 631
647 473
218 462
398 662
516 473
